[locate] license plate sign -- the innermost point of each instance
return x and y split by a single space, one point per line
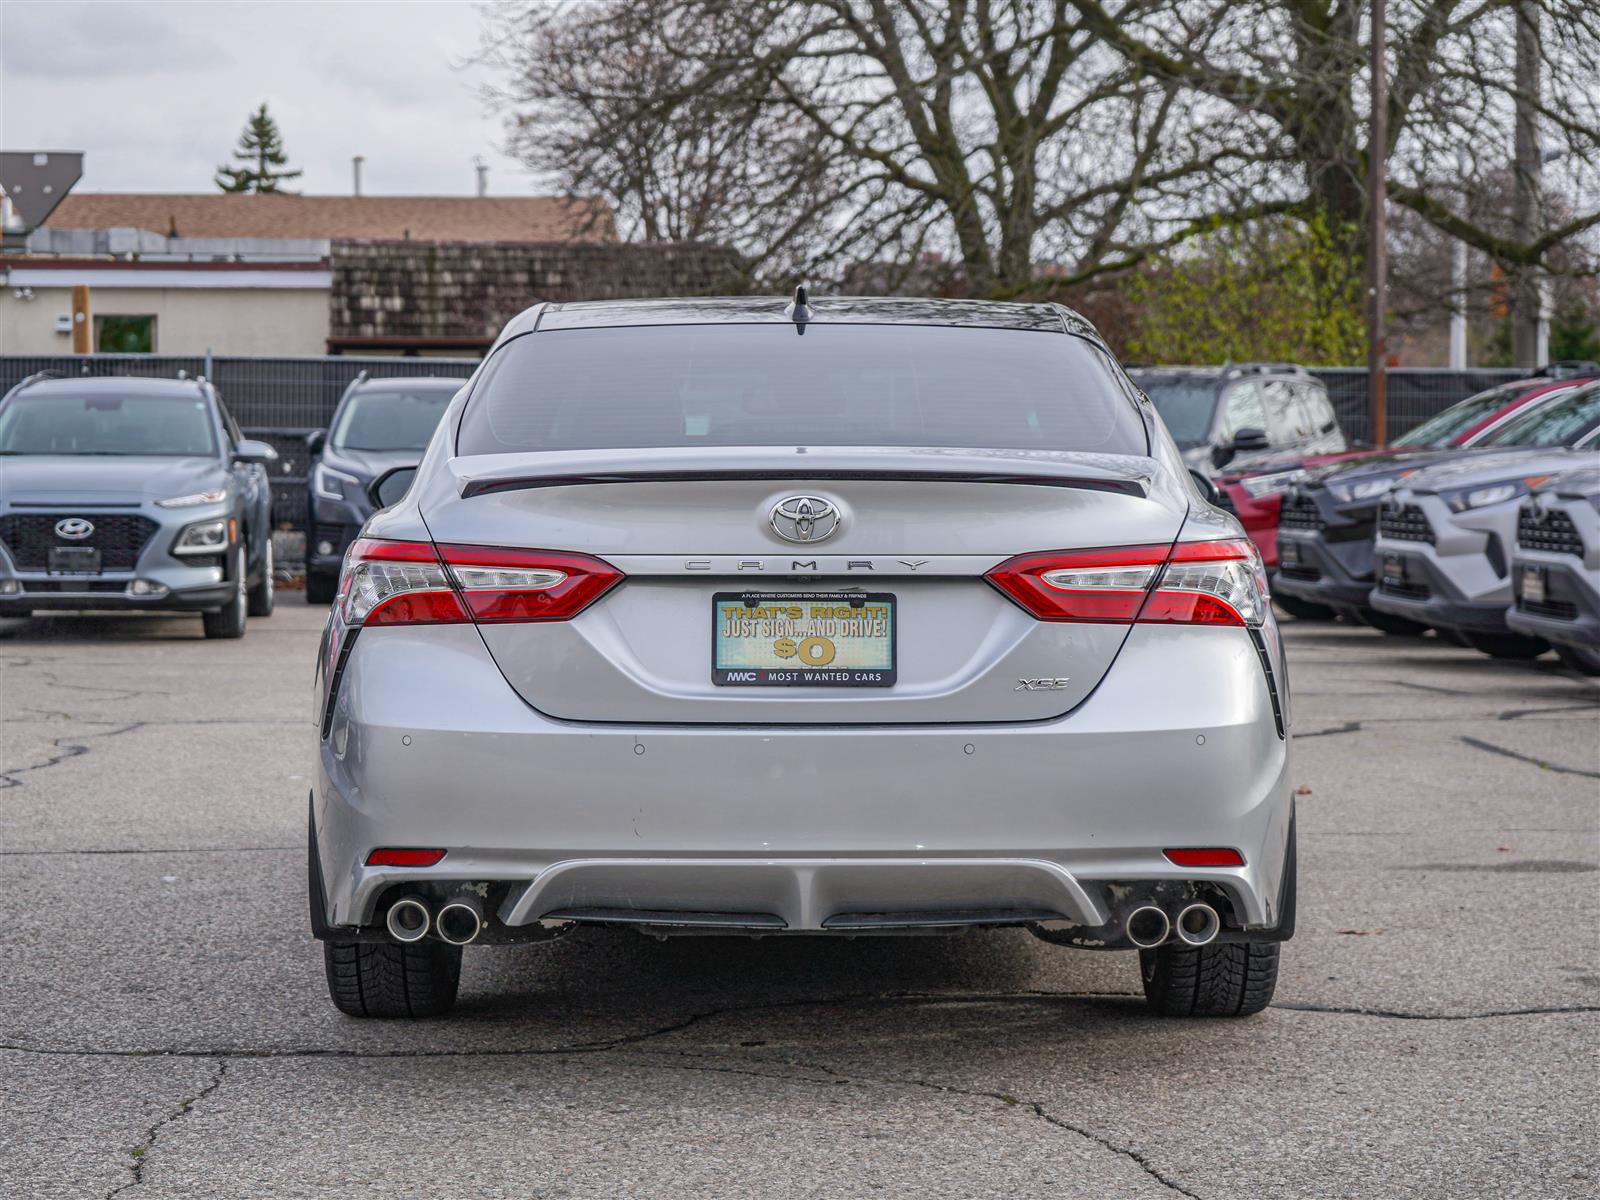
1289 552
803 639
1533 585
1394 568
74 560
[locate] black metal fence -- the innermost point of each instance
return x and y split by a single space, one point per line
280 400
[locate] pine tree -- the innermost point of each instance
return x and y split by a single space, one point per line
261 152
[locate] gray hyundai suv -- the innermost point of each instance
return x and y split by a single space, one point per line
858 617
132 494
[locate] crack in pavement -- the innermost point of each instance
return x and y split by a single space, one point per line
68 750
1006 1098
1529 759
620 1041
157 850
116 694
140 1153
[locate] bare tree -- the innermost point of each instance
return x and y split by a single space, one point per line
1036 144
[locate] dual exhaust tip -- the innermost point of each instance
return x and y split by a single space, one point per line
1195 925
458 921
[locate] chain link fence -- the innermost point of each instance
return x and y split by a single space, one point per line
281 400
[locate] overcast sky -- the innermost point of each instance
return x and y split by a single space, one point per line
156 94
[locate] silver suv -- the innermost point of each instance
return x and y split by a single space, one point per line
1555 568
132 494
862 617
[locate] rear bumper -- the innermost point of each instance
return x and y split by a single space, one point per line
805 826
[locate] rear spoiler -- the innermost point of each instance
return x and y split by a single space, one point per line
1124 475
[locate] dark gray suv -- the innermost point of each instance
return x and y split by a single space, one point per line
133 494
379 424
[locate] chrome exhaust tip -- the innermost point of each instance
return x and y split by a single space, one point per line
459 921
408 920
1198 925
1148 927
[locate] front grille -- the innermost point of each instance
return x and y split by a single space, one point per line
74 586
118 536
1300 511
1406 591
1405 523
1556 610
1551 531
1307 574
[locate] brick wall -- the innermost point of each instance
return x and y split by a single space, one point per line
420 291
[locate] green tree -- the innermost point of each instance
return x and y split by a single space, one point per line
1281 291
1574 333
262 156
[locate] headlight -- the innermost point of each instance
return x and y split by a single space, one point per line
206 537
1491 493
329 484
1260 486
193 499
1367 489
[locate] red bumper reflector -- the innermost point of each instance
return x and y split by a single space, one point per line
391 856
1211 856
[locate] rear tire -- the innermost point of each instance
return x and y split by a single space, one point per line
228 621
1514 647
1580 659
386 979
320 588
261 594
1303 610
1394 626
1224 979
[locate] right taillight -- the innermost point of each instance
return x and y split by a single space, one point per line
417 583
1191 583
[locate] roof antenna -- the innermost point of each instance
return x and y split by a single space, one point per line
798 310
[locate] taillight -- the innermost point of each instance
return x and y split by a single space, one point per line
1192 583
416 583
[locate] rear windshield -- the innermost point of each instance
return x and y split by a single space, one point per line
1185 407
1557 423
403 419
106 423
838 385
1445 427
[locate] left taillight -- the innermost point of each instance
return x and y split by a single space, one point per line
1191 583
417 583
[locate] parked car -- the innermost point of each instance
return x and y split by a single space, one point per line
1224 415
690 624
1328 520
1555 568
132 494
1445 533
379 424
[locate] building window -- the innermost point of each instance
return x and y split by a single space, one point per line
124 335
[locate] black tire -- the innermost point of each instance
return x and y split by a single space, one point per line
260 598
320 589
386 979
228 621
1303 610
1580 659
1514 647
1394 626
1224 979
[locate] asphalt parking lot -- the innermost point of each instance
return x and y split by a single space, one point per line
164 1029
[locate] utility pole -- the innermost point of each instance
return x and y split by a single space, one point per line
1377 233
1527 297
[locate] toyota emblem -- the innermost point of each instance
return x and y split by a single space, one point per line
74 528
804 518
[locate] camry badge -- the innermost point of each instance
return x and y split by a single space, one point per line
804 519
74 528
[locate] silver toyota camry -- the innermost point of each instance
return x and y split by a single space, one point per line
830 617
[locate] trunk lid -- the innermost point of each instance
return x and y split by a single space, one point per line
687 526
